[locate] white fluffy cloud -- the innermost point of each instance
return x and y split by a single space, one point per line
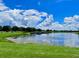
34 18
72 21
3 7
26 18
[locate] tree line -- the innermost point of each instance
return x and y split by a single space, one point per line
29 29
15 28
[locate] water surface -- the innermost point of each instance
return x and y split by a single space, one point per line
58 39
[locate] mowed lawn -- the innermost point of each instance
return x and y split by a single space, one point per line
13 50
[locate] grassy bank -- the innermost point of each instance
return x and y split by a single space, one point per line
4 35
14 50
12 34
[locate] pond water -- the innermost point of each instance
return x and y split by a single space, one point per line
56 39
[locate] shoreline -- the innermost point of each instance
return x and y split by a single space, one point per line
30 50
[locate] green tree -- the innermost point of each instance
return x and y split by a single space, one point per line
39 30
22 29
6 28
15 28
29 29
0 28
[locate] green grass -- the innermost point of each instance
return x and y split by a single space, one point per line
11 34
4 35
30 50
36 50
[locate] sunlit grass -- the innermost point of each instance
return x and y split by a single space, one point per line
14 50
36 50
4 35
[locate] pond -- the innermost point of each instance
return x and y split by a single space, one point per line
56 39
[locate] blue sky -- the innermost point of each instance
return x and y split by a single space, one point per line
43 14
59 8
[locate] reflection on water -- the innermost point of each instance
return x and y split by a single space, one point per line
60 39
